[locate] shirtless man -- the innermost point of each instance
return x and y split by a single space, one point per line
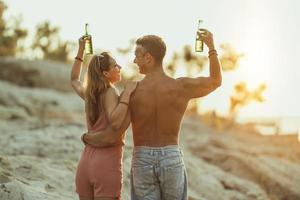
156 110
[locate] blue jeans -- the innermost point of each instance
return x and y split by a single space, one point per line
158 173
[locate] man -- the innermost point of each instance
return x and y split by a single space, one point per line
156 109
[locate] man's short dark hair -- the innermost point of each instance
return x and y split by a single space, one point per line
154 45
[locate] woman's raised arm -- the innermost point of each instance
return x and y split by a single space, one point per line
76 69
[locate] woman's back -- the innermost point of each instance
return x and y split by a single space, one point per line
100 124
102 120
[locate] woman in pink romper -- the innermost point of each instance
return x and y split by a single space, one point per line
99 171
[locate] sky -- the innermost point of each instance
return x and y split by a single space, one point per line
266 31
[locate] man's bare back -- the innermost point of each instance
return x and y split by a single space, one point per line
157 107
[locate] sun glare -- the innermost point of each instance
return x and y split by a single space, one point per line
256 65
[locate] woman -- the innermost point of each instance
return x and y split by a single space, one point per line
99 172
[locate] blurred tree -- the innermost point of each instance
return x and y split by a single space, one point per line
10 35
230 58
48 42
127 50
194 63
172 65
242 96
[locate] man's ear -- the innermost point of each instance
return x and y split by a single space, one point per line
149 57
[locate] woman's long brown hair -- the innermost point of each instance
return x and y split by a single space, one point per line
96 85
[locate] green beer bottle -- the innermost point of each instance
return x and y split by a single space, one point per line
199 43
88 43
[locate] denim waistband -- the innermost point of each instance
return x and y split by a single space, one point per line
152 150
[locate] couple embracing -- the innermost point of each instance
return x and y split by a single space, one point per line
154 106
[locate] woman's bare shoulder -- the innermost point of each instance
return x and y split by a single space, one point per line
111 92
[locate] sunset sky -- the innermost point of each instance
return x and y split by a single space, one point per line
266 31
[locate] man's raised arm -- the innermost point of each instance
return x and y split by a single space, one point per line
201 86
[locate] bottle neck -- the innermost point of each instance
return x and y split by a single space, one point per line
199 24
86 29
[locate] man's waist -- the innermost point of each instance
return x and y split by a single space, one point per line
146 147
163 150
155 140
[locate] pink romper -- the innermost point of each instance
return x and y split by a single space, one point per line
99 171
